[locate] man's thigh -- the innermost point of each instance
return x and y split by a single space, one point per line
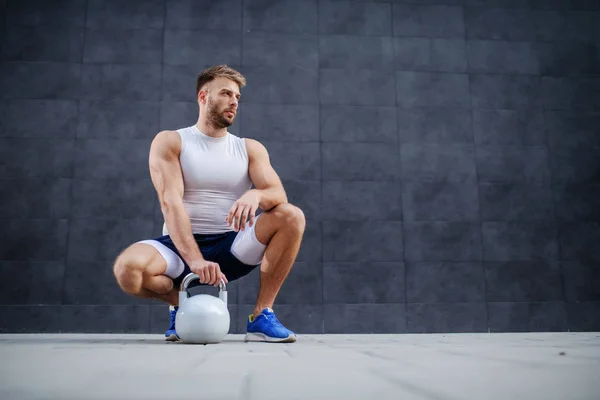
239 253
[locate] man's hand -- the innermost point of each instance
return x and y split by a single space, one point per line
244 209
209 272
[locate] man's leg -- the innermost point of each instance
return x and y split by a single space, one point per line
139 272
281 230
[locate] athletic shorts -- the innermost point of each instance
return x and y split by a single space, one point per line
237 253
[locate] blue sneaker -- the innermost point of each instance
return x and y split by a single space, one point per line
171 334
265 327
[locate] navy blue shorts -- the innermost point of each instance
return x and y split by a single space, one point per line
215 248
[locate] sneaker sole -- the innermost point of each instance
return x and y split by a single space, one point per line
261 337
172 338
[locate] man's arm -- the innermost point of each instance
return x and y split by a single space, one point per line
167 178
267 183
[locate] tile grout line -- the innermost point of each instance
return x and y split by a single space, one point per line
5 18
238 328
160 96
73 159
159 122
555 218
321 230
162 66
400 181
477 182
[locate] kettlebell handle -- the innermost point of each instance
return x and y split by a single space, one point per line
191 277
183 293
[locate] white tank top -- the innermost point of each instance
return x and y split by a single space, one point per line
215 175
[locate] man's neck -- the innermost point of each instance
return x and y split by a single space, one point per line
209 130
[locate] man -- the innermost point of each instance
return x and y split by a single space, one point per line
203 176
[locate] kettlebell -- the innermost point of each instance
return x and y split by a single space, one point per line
202 318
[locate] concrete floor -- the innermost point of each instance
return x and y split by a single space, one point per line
453 366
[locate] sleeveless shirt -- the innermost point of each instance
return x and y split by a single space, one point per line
215 175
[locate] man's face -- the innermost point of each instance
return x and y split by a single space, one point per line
222 102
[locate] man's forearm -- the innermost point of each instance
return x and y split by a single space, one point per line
180 231
271 197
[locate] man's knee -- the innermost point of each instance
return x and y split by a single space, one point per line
293 217
128 270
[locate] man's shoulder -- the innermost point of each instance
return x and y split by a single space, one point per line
167 135
174 133
255 148
255 144
167 139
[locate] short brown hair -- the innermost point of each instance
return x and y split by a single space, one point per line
219 71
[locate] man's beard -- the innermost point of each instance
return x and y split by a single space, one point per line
216 118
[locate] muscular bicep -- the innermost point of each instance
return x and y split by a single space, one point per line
165 170
262 173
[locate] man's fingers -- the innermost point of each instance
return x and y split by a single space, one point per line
238 217
217 275
240 214
251 216
244 217
211 274
202 276
235 211
232 212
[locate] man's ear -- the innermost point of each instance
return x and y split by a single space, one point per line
203 96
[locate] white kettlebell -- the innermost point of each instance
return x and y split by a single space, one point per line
201 318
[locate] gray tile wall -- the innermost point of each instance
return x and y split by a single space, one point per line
446 154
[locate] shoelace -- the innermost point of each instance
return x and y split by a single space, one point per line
273 319
172 318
